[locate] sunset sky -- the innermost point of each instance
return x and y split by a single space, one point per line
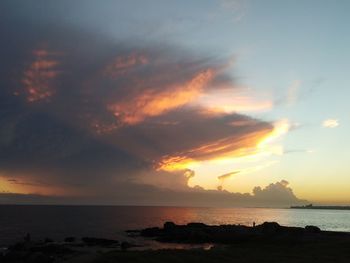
217 103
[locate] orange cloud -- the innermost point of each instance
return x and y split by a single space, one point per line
245 153
152 102
232 146
39 76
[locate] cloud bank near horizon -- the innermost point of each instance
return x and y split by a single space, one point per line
277 194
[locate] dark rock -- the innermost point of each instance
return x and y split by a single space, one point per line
169 226
151 232
56 249
39 258
36 257
196 225
227 234
69 239
312 229
92 241
27 238
3 252
35 253
125 245
48 240
269 227
19 246
133 233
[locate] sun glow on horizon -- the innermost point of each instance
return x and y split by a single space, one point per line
15 185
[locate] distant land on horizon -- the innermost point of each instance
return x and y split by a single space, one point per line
310 206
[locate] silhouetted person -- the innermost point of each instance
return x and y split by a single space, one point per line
254 224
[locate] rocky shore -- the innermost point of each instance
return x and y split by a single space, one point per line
71 249
227 234
268 242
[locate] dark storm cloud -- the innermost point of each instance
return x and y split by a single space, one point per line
78 109
46 138
183 131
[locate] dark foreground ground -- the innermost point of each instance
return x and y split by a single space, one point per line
268 242
272 252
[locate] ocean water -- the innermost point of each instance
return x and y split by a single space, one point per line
58 222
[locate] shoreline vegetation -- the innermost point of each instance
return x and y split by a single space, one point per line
330 207
268 242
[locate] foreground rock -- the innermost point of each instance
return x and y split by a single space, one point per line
93 241
226 234
36 252
228 243
71 250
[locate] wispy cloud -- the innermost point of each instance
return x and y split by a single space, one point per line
330 123
234 99
222 178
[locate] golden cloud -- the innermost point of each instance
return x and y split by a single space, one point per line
152 102
233 146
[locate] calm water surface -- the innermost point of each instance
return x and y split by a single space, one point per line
58 222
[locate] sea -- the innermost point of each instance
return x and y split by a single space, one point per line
58 222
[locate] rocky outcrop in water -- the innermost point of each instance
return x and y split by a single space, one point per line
202 233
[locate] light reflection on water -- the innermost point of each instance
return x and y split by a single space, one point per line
59 222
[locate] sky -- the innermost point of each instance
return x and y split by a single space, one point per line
196 103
